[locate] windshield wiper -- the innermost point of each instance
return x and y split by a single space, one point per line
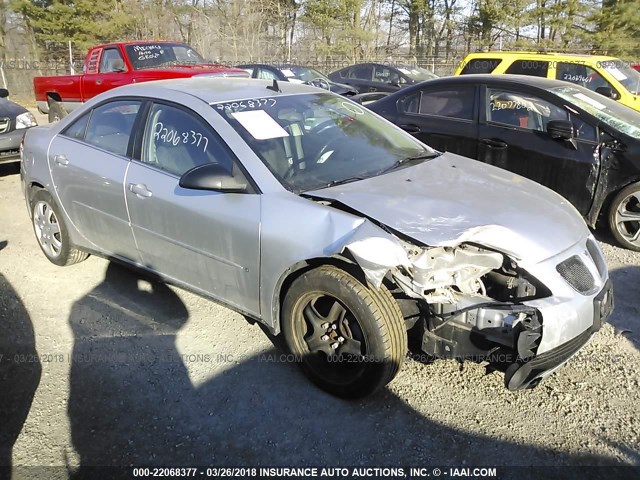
403 161
342 181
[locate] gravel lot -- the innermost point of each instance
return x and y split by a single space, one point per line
103 367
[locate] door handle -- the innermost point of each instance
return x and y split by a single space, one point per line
140 189
494 143
61 160
411 128
98 82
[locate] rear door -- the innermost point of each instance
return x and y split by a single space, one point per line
444 118
88 162
206 240
512 135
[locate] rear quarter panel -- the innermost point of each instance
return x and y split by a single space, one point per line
35 168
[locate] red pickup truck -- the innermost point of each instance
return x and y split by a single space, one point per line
115 64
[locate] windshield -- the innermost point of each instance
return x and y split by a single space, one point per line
316 140
304 74
622 72
417 73
609 111
153 55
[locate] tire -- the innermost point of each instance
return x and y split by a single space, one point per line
52 233
56 112
327 306
624 217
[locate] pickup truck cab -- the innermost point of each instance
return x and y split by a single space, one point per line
116 64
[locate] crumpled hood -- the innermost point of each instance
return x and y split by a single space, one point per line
452 199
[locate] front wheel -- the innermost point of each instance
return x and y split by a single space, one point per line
624 217
51 232
352 339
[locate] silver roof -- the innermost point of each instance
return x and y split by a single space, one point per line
217 89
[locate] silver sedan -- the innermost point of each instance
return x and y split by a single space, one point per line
318 218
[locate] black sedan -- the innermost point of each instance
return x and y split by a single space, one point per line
14 121
582 145
297 74
378 77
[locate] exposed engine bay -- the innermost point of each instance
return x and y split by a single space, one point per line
465 301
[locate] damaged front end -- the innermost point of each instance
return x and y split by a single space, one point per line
464 301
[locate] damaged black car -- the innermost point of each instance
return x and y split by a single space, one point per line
576 142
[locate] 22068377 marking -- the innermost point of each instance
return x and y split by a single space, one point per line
165 472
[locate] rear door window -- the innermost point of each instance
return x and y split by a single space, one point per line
265 74
480 65
451 103
76 129
533 68
111 124
362 72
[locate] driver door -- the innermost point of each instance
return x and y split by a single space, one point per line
111 74
512 135
206 240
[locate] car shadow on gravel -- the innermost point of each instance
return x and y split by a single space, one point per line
20 368
626 315
132 403
603 234
12 168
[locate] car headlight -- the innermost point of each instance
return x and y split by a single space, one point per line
25 120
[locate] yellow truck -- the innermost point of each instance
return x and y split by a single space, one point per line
609 76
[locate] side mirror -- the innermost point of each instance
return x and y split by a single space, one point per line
560 129
212 176
4 93
608 92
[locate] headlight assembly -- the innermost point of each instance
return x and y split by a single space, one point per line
25 120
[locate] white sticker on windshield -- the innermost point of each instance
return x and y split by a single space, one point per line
617 74
287 73
590 101
404 70
260 124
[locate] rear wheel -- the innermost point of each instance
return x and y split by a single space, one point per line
624 217
352 339
56 112
51 232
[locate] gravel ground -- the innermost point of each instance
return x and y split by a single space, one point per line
108 368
